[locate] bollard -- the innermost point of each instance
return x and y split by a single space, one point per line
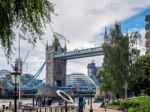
19 104
36 102
33 101
3 108
55 109
45 109
9 104
51 109
65 106
88 100
61 109
37 110
125 110
40 110
105 108
6 108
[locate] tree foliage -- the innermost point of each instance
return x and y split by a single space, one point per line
119 55
29 16
141 77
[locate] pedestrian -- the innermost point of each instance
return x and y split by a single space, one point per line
103 103
84 103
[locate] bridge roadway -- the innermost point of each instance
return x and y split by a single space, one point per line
80 53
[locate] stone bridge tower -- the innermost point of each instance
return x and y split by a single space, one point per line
55 68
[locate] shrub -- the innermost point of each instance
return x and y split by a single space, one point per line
138 104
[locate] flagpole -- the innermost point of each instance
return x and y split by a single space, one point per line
19 47
20 63
20 67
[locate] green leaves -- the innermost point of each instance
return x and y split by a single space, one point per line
137 104
141 78
120 55
28 16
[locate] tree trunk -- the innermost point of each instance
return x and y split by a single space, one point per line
126 90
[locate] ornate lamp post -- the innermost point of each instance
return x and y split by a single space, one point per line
15 76
90 88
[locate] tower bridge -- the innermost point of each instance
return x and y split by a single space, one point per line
56 61
79 53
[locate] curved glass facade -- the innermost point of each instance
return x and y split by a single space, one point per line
79 80
92 70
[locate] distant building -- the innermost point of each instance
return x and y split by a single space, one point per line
147 36
4 73
27 79
93 70
78 79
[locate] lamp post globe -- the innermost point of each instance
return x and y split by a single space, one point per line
15 77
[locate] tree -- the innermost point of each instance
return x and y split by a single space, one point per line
118 59
141 77
115 61
29 16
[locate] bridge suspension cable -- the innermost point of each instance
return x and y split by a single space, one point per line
32 81
36 75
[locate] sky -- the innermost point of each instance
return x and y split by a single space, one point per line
83 22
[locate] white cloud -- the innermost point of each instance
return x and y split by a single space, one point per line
80 65
143 40
80 21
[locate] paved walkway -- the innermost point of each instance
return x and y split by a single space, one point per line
97 108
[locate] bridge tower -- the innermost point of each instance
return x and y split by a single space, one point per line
55 68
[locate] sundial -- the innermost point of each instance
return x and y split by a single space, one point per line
64 96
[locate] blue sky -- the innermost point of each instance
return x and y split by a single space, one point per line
83 22
136 21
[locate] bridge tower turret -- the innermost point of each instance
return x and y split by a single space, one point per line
105 36
55 68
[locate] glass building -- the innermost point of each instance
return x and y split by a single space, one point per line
4 73
79 80
92 70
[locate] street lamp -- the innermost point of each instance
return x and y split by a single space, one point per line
90 88
15 76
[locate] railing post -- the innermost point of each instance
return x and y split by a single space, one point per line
45 109
33 101
3 108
